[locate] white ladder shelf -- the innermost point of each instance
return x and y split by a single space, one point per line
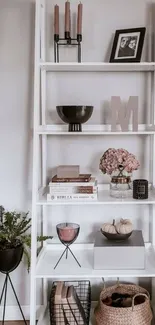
39 264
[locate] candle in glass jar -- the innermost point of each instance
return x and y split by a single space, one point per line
67 233
79 19
67 17
56 20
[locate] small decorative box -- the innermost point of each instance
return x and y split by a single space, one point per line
119 255
68 171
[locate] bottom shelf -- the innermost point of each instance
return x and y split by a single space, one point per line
44 318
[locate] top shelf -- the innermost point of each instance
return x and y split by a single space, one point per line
97 67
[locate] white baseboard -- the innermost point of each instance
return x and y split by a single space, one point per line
13 312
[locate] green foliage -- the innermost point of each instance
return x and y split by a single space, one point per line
13 228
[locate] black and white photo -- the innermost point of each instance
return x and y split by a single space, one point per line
128 45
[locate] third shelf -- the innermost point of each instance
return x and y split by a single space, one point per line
104 198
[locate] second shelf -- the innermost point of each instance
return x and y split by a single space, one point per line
68 269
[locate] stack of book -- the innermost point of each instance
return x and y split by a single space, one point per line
83 187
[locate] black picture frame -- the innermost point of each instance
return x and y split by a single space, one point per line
127 53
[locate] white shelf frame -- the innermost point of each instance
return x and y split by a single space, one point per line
84 253
45 316
103 198
61 129
43 130
97 67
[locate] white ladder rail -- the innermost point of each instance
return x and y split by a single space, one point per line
152 117
44 137
35 165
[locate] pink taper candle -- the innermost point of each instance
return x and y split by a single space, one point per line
79 19
56 20
70 21
67 16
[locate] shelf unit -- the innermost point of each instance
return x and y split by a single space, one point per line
42 265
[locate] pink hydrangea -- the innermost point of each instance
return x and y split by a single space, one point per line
113 158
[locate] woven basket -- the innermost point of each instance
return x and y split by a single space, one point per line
136 315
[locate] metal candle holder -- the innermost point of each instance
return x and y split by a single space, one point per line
67 243
67 41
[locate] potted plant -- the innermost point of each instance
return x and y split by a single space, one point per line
14 240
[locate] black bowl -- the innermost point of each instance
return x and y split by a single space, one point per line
74 116
116 237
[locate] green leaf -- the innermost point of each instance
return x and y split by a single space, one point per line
43 238
27 255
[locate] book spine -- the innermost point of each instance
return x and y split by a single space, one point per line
87 189
70 180
73 184
72 190
70 197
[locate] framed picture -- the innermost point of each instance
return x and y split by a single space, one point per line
128 45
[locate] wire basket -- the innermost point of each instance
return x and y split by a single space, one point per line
65 314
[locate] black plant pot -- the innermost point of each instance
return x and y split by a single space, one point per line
10 258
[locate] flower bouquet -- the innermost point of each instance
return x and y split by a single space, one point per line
119 164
